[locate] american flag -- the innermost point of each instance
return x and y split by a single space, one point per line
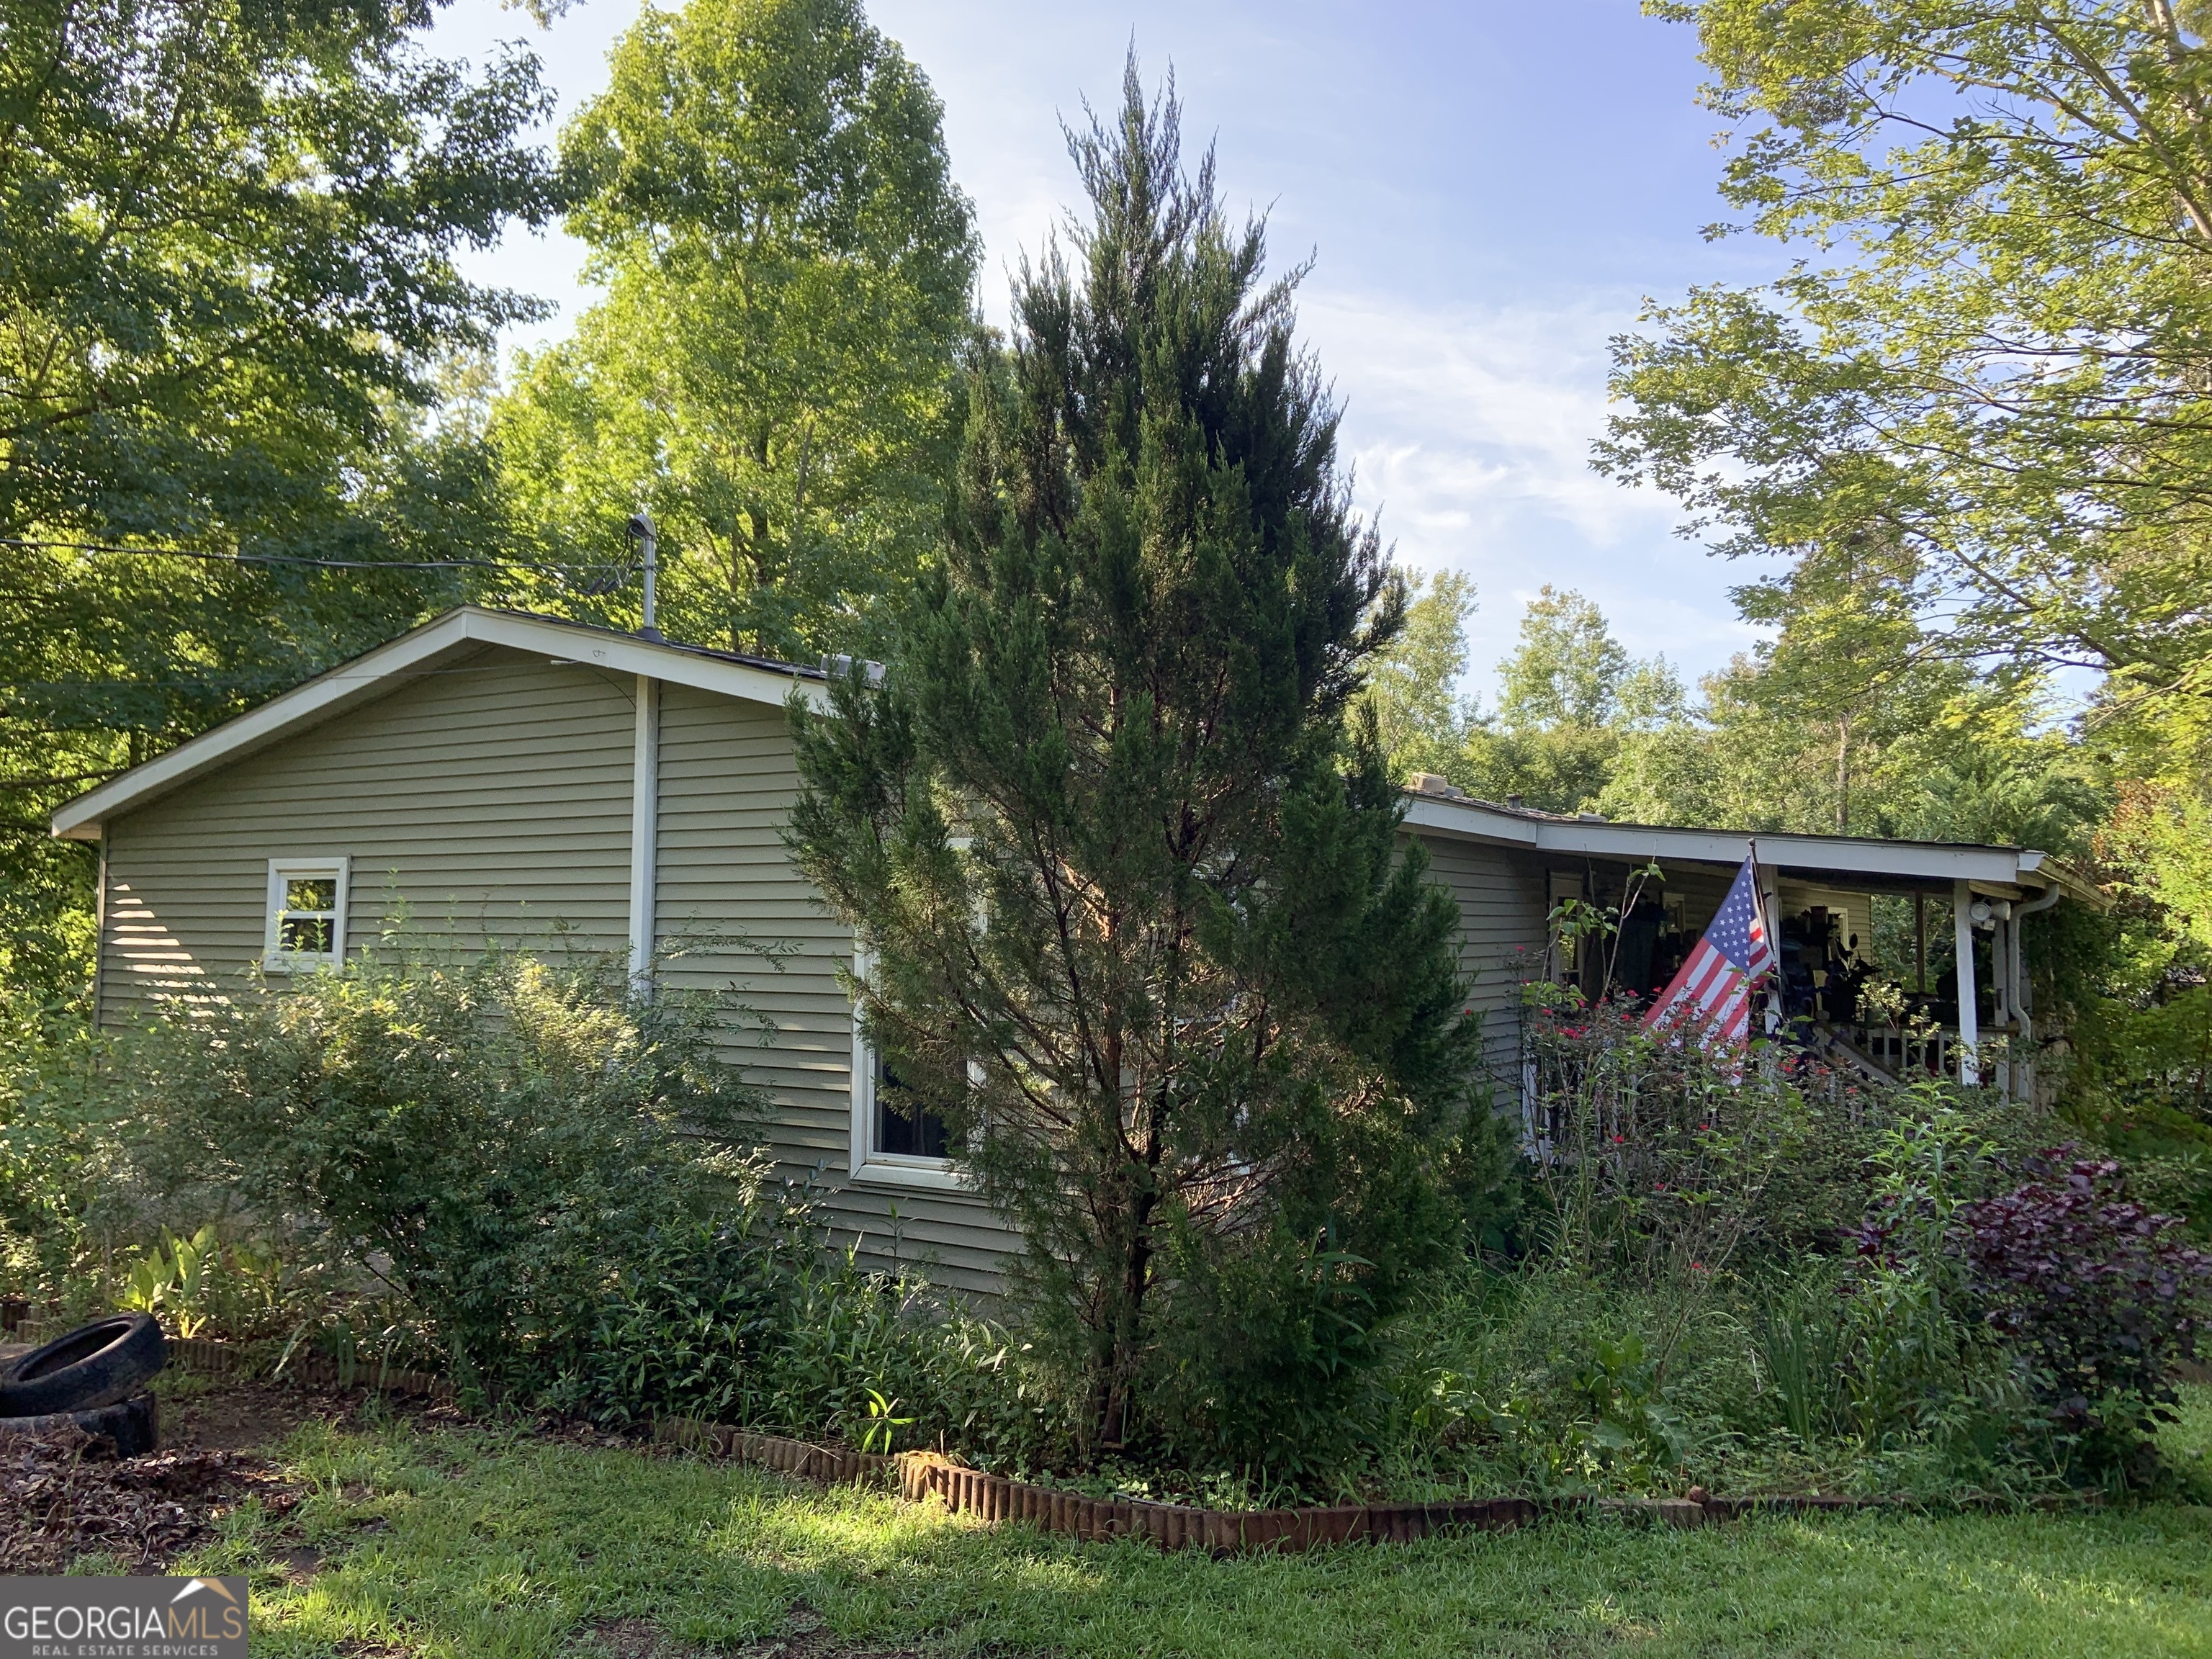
1714 989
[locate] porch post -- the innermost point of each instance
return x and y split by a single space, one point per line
2000 961
1962 938
1770 903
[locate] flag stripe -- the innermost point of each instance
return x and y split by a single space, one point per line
1714 986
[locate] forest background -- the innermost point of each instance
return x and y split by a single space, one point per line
251 422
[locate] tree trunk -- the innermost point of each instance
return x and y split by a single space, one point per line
1843 775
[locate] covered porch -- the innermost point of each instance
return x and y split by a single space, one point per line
1894 958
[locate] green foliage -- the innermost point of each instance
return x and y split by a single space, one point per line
231 279
1141 929
1570 701
1568 669
171 1279
49 1174
2002 381
492 1137
1654 1153
1420 718
1973 419
745 1317
771 373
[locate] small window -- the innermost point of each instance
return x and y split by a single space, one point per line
892 1146
307 914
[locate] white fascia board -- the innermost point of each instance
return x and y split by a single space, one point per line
377 673
1847 855
359 681
627 654
1573 837
1469 820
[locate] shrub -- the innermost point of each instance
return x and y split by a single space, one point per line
66 1204
497 1137
747 1319
2098 1296
1652 1154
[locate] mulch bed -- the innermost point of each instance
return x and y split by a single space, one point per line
59 1499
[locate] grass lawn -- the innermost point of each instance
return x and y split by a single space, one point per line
478 1542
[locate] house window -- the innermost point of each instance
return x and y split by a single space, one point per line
307 914
891 1147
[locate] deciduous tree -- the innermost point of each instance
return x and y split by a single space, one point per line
772 372
228 232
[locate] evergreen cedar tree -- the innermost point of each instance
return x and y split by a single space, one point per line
1141 925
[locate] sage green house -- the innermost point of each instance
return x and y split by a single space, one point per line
496 776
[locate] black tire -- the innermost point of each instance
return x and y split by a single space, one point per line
132 1426
93 1365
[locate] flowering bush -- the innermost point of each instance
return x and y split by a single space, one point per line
1652 1152
2097 1295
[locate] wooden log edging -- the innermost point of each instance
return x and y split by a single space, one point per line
209 1358
921 1477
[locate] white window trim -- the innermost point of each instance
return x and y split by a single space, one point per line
868 1166
282 871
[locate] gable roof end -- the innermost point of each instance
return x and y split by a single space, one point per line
421 651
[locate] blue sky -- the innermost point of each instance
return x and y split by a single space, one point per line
1490 189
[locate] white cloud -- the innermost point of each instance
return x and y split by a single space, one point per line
1471 430
1463 422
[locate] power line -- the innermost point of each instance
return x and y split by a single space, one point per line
238 684
306 560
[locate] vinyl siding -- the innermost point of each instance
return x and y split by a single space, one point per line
489 799
492 799
1502 907
726 883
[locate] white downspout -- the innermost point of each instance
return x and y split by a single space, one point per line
644 832
1962 937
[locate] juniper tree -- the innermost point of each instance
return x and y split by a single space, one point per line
1141 925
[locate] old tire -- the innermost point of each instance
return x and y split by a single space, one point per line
93 1365
133 1426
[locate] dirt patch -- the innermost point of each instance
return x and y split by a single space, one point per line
57 1502
231 1414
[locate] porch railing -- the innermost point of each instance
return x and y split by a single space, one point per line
1897 1053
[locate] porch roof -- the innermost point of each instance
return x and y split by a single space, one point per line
1864 861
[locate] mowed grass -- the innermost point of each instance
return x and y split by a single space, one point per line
474 1541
